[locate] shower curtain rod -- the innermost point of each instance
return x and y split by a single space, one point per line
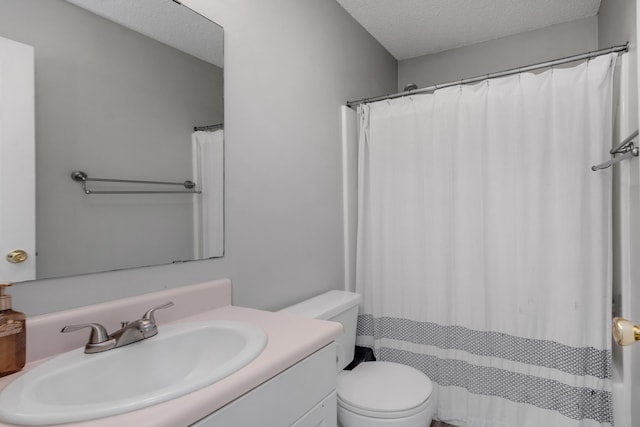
548 64
208 127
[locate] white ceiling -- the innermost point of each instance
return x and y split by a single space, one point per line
165 21
410 28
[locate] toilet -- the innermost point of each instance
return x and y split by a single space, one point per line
373 394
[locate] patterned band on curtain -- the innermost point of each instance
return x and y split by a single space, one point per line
484 245
574 402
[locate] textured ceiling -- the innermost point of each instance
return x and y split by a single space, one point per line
166 22
410 28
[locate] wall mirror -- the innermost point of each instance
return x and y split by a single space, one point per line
120 86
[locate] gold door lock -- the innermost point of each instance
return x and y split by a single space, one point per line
17 256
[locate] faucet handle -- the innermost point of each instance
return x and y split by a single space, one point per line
98 333
149 314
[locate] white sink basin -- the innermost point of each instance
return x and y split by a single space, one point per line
184 357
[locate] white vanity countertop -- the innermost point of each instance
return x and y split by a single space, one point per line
289 341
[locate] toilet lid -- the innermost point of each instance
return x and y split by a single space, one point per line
384 387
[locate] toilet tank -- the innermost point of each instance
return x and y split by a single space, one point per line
337 306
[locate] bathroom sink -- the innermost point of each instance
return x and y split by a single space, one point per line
182 358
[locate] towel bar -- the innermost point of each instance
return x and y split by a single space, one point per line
82 177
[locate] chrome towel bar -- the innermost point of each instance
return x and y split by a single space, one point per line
83 178
626 149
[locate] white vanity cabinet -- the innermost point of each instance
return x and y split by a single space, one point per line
301 396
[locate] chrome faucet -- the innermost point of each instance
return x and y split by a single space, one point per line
131 332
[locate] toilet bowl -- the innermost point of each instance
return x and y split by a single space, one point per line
384 394
372 394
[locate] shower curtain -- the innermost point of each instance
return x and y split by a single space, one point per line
484 245
208 173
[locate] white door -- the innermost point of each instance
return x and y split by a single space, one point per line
17 162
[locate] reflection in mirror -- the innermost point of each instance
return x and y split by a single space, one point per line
121 102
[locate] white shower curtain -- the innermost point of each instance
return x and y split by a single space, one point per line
208 174
484 245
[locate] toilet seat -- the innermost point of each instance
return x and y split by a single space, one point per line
384 390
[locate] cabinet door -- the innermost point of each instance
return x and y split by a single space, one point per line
286 399
321 415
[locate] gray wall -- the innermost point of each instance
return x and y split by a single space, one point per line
531 47
289 65
115 104
617 23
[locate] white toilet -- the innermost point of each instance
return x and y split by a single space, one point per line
373 394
